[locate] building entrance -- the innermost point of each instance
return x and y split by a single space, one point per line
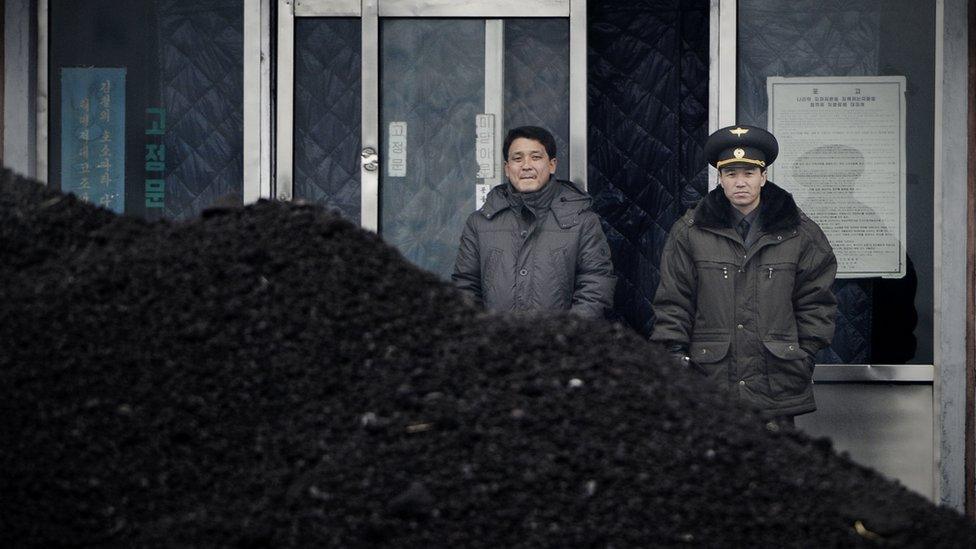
393 111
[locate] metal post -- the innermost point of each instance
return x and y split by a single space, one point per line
285 111
577 93
254 98
495 88
951 153
40 170
369 179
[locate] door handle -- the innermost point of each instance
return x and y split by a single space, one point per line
370 159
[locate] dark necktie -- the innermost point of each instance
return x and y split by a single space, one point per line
743 229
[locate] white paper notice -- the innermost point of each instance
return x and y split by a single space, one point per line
397 167
485 145
481 191
842 156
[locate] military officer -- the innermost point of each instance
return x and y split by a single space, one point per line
745 282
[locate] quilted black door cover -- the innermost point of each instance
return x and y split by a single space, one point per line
648 121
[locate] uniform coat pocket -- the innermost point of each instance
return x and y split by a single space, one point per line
787 367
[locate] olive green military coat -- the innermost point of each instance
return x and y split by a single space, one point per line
751 320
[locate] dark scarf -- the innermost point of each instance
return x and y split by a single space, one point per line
536 203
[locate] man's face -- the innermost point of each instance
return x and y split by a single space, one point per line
529 166
742 186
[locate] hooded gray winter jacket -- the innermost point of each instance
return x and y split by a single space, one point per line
518 253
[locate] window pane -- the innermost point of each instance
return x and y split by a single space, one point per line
881 320
537 80
432 86
174 71
328 115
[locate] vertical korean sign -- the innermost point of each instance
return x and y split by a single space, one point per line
155 164
93 135
397 166
842 155
485 152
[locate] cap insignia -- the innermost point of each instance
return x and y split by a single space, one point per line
739 132
738 153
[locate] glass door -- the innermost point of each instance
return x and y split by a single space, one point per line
393 111
448 90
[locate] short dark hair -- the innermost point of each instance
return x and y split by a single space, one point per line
535 133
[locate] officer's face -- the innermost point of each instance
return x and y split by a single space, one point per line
529 166
742 186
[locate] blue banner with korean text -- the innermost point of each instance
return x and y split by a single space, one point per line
93 135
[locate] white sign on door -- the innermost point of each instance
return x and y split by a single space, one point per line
485 154
397 166
485 145
481 191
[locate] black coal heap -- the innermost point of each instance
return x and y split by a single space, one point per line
275 376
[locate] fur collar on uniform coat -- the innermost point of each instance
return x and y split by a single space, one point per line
779 210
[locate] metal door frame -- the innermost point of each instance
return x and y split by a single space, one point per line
370 11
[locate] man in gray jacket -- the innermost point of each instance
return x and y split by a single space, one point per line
535 245
745 282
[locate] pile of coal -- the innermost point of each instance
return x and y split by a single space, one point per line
274 376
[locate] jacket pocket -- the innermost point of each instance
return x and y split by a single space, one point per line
714 295
708 352
787 367
709 357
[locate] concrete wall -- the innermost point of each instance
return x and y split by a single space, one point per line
952 150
